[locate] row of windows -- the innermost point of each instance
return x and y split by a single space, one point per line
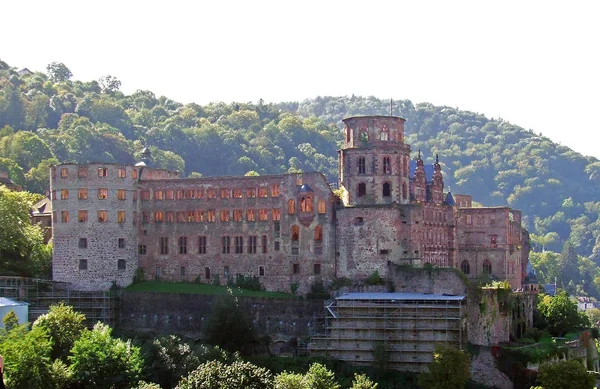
384 134
82 194
387 165
226 273
83 171
210 216
386 190
83 216
83 243
465 267
229 245
224 193
121 264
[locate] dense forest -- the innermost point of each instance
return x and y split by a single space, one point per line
47 118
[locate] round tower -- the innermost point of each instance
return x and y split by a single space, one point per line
374 161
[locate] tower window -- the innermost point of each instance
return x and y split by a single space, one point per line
387 190
306 204
362 189
487 267
465 267
361 165
295 233
385 133
387 166
318 233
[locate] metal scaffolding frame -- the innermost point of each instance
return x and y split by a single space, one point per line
407 325
40 294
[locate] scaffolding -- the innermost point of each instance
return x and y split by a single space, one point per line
40 294
406 326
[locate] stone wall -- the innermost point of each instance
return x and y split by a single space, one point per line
280 319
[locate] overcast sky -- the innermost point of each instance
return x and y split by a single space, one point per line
533 63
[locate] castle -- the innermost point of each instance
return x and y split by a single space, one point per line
113 221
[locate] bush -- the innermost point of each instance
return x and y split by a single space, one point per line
238 375
228 326
318 291
64 326
450 369
248 282
567 374
375 279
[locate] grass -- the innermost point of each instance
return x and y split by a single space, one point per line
215 290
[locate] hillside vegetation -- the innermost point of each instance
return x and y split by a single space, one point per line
46 118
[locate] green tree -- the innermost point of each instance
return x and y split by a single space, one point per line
109 84
565 374
58 72
450 369
26 358
64 326
100 361
319 377
593 315
10 320
287 380
228 326
172 359
560 314
361 381
217 375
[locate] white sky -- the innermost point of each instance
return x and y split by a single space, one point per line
533 63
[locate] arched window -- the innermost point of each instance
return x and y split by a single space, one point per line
364 134
465 268
347 134
361 165
295 233
387 189
291 207
306 204
362 189
318 233
404 191
385 133
387 166
487 267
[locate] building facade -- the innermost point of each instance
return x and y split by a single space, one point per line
112 222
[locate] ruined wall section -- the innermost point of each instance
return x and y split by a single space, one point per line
95 240
218 217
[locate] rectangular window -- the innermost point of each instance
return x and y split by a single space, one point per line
121 194
157 272
276 214
190 216
142 249
64 216
182 271
134 174
226 244
224 215
291 207
224 193
158 195
64 194
200 216
211 193
170 217
82 216
277 229
207 273
102 172
263 192
121 264
83 243
122 172
181 217
212 215
64 172
237 215
261 271
158 217
199 193
169 194
102 216
239 244
226 271
294 250
82 194
237 193
145 194
322 206
164 245
82 171
202 245
252 244
102 194
181 194
318 250
145 217
263 214
275 190
276 246
251 215
264 244
295 268
183 245
190 194
251 193
121 216
83 265
317 268
134 218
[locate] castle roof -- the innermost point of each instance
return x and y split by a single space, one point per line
450 199
305 188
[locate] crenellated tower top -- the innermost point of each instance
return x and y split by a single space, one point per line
365 131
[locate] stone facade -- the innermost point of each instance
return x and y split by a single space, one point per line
285 229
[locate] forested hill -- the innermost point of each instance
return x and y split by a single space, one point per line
47 118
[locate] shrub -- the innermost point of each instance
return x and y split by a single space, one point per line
238 375
450 369
318 291
375 279
567 374
248 282
64 326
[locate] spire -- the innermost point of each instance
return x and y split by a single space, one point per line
437 160
419 157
